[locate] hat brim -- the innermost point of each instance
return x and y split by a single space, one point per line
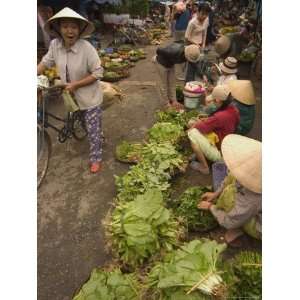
226 69
52 26
242 156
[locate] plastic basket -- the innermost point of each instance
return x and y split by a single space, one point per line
219 172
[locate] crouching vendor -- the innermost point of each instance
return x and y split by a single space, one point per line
167 58
206 135
237 204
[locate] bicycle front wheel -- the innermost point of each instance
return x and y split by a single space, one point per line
43 152
79 128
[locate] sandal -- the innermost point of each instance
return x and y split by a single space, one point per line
95 167
195 165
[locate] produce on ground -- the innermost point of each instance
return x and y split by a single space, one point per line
186 207
129 152
247 276
163 157
166 132
246 56
189 273
175 117
111 285
139 179
142 228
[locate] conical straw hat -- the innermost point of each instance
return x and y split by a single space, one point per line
242 90
242 156
52 25
222 44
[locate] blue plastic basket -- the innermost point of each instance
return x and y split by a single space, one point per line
219 172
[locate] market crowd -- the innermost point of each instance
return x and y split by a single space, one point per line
228 108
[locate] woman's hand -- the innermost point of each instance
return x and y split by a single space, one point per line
209 197
205 205
71 87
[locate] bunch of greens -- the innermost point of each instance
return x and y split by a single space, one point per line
109 286
247 268
139 179
165 132
190 272
176 117
196 220
129 152
163 157
141 228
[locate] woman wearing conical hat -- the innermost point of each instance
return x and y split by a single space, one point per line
237 204
80 69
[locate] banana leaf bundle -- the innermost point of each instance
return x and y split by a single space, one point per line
141 228
189 273
111 285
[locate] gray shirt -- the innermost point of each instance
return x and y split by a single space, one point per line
80 60
247 205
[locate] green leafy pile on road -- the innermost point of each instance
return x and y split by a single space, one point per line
196 220
176 117
166 132
158 163
142 228
247 270
139 179
129 152
109 286
189 273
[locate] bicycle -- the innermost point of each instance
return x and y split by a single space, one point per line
74 126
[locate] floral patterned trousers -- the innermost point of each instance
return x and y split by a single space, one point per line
93 120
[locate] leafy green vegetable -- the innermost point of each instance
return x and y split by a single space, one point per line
197 220
141 228
109 286
129 152
139 179
163 157
176 117
247 267
189 272
165 132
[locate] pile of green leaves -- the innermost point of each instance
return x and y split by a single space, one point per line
141 228
109 286
165 132
189 273
163 157
181 118
247 268
139 179
196 219
129 152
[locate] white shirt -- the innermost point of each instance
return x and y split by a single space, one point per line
196 32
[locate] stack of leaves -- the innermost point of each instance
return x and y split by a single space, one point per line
129 152
196 219
141 228
247 268
163 157
166 132
109 286
189 273
181 118
139 179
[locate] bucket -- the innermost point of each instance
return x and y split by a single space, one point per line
191 101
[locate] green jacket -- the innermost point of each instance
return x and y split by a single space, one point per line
247 116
